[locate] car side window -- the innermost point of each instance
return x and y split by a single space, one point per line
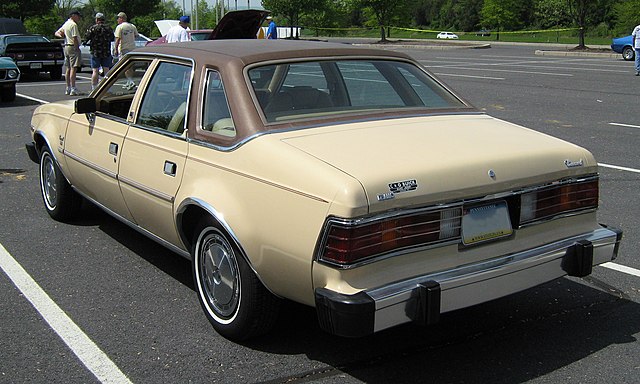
217 117
116 98
165 100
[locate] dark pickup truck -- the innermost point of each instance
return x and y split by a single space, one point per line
33 53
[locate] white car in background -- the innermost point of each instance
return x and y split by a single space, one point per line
447 35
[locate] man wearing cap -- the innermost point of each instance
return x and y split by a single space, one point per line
126 34
99 36
72 62
178 33
272 31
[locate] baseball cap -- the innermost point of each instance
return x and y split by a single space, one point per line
123 15
100 16
185 19
269 17
75 12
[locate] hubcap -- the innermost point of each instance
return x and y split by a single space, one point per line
49 182
220 276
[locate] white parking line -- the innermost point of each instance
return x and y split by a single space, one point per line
470 76
32 98
619 167
625 125
80 344
622 268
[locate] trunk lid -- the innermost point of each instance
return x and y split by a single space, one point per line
439 159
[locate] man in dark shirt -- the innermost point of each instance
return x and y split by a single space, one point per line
100 36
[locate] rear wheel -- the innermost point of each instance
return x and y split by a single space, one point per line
9 93
628 53
234 300
60 200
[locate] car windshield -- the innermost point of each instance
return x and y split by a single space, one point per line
289 91
26 39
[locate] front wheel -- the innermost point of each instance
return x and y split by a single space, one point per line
628 54
234 300
60 200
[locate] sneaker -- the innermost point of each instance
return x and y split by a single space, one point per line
637 73
74 92
67 90
129 85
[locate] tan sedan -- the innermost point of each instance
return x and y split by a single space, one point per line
348 179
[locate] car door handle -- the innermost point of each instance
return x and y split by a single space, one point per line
170 168
113 149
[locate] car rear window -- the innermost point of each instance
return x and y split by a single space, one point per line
289 91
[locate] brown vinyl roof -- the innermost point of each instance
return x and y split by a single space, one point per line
256 50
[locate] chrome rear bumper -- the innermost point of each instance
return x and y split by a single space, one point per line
423 298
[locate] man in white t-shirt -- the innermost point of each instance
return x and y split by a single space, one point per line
636 47
179 33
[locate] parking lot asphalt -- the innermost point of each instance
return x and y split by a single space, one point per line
134 300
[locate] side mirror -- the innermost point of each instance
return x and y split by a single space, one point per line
86 105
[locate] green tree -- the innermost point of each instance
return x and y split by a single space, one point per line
551 13
586 13
383 11
292 10
22 9
626 16
503 15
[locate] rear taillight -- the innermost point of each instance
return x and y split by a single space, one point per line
20 56
348 243
557 200
50 55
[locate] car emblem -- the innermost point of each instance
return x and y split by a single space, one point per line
492 174
403 186
398 187
573 164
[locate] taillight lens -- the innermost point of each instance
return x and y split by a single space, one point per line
50 55
20 56
349 243
557 200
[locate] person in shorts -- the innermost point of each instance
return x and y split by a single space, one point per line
99 36
126 34
72 57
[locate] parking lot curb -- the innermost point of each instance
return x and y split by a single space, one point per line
613 55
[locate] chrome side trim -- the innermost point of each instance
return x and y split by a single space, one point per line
139 229
480 282
153 192
91 165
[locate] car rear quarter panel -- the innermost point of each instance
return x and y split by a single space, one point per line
274 199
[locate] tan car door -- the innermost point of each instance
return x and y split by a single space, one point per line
94 141
93 146
155 150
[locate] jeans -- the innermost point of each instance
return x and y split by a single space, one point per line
637 60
